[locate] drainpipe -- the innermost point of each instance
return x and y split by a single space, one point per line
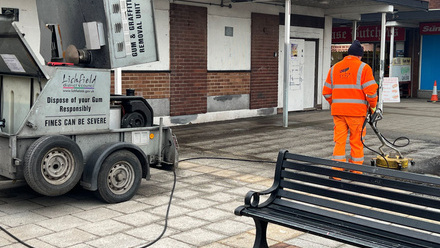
118 81
390 74
354 30
286 64
382 60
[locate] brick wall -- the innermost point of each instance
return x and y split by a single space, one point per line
150 85
228 83
434 4
188 60
264 65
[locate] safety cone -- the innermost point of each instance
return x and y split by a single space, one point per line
434 97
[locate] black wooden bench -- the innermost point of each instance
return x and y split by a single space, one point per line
378 208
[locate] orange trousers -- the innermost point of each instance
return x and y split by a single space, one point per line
344 124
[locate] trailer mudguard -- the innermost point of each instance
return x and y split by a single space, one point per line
94 162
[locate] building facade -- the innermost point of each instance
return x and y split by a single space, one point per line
224 61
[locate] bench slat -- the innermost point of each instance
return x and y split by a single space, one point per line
405 183
368 169
356 221
326 226
352 209
383 192
398 207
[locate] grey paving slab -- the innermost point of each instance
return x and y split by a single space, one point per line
33 243
82 246
174 211
67 238
309 240
169 242
30 231
120 240
158 199
18 207
151 232
59 210
105 227
199 179
128 207
209 188
211 214
230 206
216 245
196 203
138 219
221 197
149 189
97 214
22 218
52 201
184 223
229 227
5 240
63 223
198 237
185 193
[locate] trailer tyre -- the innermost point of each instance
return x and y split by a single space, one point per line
53 165
119 177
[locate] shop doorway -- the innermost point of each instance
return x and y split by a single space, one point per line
371 56
303 74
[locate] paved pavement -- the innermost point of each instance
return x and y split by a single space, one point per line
207 190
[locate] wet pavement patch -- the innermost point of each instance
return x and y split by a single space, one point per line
427 166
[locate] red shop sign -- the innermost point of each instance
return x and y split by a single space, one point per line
365 34
430 28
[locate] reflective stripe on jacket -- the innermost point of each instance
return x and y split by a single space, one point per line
350 87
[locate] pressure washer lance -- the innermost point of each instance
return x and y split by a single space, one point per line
393 160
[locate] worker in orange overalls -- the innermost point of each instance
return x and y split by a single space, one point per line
350 89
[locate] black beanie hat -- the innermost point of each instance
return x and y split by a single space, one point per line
356 49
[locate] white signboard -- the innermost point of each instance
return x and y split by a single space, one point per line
12 62
391 91
402 69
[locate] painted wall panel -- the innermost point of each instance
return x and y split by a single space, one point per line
230 51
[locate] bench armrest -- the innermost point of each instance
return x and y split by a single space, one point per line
252 198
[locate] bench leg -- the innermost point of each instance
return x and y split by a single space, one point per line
260 237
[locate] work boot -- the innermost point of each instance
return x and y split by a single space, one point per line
339 169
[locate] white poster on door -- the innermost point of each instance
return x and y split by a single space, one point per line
296 64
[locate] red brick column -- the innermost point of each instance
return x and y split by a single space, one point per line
264 65
150 85
188 60
434 4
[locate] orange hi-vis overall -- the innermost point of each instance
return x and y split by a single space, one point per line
349 88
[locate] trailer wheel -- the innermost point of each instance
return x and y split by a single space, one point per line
119 177
53 165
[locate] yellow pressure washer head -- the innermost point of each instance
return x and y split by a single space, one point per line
395 159
393 162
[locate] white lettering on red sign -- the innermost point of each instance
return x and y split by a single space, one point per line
430 28
339 35
365 34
